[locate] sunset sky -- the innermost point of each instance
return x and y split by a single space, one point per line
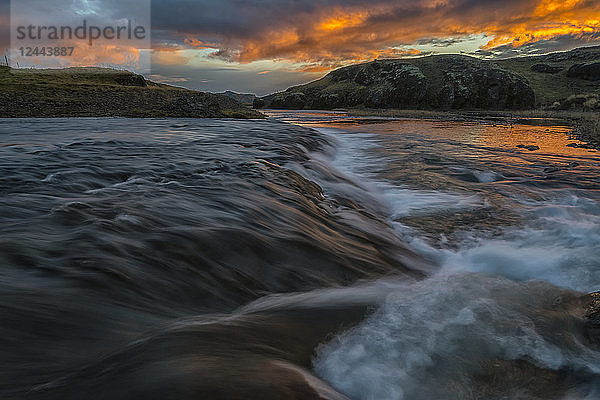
262 46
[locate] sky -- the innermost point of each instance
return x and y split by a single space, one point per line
262 46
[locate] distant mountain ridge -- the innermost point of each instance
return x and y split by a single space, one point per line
244 98
449 82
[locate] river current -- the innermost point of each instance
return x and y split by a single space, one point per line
311 255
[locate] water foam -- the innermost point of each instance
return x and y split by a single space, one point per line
556 241
429 339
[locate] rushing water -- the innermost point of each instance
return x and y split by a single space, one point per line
208 258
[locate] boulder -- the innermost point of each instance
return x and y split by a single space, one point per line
592 317
530 147
546 68
258 103
398 86
289 100
477 84
129 79
587 71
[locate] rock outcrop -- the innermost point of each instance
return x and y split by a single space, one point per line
587 71
434 82
244 98
546 68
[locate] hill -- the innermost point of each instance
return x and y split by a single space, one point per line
556 77
101 92
440 82
244 98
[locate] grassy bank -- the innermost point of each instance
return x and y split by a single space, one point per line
585 124
101 92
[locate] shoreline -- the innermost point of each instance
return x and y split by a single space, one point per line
585 124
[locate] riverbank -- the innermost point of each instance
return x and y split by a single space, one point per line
103 92
585 124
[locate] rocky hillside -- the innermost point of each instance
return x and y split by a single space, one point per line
100 92
564 80
433 82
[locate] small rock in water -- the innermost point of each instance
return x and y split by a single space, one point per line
530 147
549 170
592 317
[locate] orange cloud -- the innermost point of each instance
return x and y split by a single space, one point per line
340 34
190 40
343 21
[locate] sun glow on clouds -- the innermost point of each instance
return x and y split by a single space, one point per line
343 21
522 35
549 6
331 36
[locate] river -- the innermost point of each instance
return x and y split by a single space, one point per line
314 254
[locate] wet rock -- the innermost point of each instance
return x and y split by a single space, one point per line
549 170
262 352
592 317
546 68
581 145
530 147
519 379
587 71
